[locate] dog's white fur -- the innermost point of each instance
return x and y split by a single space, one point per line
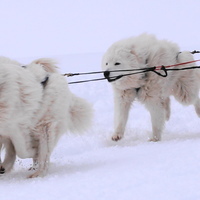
149 88
33 115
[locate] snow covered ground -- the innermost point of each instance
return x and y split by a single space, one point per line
92 167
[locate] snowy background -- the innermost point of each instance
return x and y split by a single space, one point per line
91 166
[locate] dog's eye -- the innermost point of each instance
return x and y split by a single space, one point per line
117 63
106 63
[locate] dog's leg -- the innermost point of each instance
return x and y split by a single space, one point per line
43 153
2 170
35 143
122 101
166 104
23 145
10 156
1 146
197 107
157 112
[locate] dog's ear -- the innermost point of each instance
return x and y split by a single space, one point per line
48 64
139 59
136 55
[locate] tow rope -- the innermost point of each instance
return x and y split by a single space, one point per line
159 70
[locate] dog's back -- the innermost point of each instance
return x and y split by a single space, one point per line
76 111
19 101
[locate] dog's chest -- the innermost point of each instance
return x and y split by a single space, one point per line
141 94
138 92
144 94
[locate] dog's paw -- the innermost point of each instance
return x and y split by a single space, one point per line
153 139
34 175
2 170
116 138
37 174
40 172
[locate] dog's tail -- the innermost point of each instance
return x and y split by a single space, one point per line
42 67
48 64
81 114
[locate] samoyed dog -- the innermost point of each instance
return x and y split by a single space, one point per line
153 91
36 107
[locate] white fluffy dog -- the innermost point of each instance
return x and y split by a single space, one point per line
36 107
152 90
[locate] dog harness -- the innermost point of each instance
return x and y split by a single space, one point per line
44 82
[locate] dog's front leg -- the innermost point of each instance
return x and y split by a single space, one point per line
122 104
157 112
10 156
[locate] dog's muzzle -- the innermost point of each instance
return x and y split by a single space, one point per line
111 79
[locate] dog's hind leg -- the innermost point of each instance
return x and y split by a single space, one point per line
167 108
122 101
157 112
10 156
1 146
197 107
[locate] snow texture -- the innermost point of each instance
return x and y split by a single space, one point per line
91 166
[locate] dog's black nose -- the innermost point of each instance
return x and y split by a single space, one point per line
106 74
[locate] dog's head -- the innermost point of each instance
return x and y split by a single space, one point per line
118 62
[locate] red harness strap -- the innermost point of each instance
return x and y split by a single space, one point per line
184 63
